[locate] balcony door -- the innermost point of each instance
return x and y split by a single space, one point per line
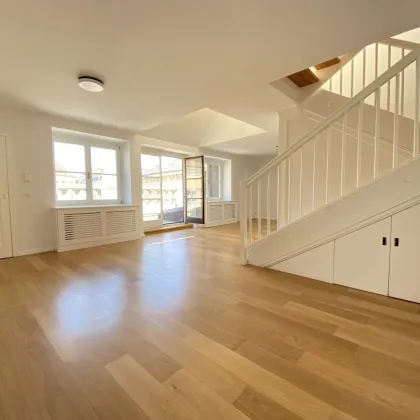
163 190
172 190
194 190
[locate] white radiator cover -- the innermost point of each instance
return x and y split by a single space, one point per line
220 213
84 227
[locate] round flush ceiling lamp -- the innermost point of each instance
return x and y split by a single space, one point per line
91 84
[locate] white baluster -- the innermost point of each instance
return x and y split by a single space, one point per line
359 145
377 132
343 154
314 176
268 204
243 223
376 60
301 182
341 81
328 164
402 85
364 68
250 214
417 109
396 120
289 189
389 82
259 208
278 195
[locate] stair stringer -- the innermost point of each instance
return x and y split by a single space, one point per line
387 195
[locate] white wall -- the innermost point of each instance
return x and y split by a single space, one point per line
29 148
242 168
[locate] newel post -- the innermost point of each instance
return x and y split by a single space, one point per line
243 223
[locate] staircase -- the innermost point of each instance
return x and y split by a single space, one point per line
356 165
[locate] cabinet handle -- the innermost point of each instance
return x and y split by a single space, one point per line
384 240
396 241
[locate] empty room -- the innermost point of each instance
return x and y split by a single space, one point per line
209 210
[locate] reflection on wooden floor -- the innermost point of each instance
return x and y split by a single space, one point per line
174 328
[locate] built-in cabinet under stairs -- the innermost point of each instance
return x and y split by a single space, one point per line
336 213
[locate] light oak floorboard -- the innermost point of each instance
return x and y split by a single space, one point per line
173 327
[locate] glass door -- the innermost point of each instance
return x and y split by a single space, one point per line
163 190
152 189
172 190
194 189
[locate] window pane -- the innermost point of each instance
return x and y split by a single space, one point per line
194 168
213 173
150 169
194 188
104 161
105 187
69 157
214 190
194 208
172 190
151 209
70 186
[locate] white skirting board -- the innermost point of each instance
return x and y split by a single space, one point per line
318 263
33 251
213 224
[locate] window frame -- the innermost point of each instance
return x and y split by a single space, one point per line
208 181
90 201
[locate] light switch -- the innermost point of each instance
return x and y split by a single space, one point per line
26 177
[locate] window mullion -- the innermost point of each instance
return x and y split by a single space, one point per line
119 187
161 189
89 188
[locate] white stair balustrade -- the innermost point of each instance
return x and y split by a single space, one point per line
370 63
332 161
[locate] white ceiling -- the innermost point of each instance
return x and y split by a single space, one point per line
203 128
161 60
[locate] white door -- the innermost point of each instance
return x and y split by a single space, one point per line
404 277
362 258
5 231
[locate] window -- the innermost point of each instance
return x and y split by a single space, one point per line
151 186
214 181
162 185
86 174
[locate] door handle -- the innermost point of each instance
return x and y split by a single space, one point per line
396 241
384 241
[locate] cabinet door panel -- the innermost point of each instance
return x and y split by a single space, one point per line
318 263
404 278
362 258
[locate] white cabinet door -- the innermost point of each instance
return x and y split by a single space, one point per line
5 231
404 278
362 258
318 263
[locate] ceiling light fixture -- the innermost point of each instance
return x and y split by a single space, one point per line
91 84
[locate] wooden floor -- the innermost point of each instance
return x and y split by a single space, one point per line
174 328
